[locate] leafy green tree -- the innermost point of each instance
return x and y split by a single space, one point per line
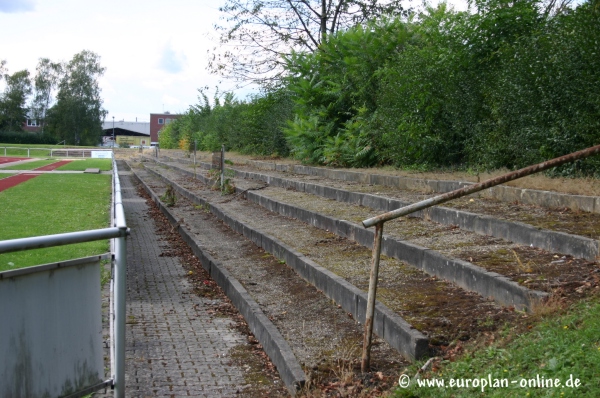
13 110
77 115
336 93
3 69
257 33
168 137
46 80
546 97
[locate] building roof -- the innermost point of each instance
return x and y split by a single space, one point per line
138 128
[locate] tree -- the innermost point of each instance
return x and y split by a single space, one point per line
12 103
46 80
2 68
258 33
77 115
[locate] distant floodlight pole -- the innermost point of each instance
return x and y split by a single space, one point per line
113 133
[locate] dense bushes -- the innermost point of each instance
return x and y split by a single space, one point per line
25 137
253 126
505 85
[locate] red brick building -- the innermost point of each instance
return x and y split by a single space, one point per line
157 122
32 125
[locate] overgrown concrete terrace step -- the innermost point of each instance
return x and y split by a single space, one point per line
267 334
518 232
441 310
276 302
463 273
388 325
501 192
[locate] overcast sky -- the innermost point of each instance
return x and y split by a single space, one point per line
154 52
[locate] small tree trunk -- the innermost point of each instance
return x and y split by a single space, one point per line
323 21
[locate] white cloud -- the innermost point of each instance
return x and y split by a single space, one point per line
172 61
13 6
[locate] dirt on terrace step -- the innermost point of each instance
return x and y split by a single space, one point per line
324 338
442 311
555 219
532 267
540 181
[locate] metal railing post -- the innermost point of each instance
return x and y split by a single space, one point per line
120 288
222 167
120 292
366 354
120 318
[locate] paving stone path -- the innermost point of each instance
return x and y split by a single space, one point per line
174 347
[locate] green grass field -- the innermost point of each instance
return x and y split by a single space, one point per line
75 165
52 204
81 165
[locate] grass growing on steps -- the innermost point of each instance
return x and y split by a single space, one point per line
52 204
561 347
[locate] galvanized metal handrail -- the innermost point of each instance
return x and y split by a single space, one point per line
119 289
118 232
379 220
38 242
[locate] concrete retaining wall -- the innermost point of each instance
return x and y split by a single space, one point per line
266 333
387 324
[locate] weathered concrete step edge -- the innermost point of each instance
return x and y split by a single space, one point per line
387 324
466 275
518 232
275 346
502 192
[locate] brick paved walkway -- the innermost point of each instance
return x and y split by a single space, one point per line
174 347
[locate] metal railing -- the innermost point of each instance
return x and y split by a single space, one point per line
50 151
118 232
379 220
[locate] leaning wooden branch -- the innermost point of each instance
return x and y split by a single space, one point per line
424 367
243 192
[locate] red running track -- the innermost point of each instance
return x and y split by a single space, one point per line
53 166
10 182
